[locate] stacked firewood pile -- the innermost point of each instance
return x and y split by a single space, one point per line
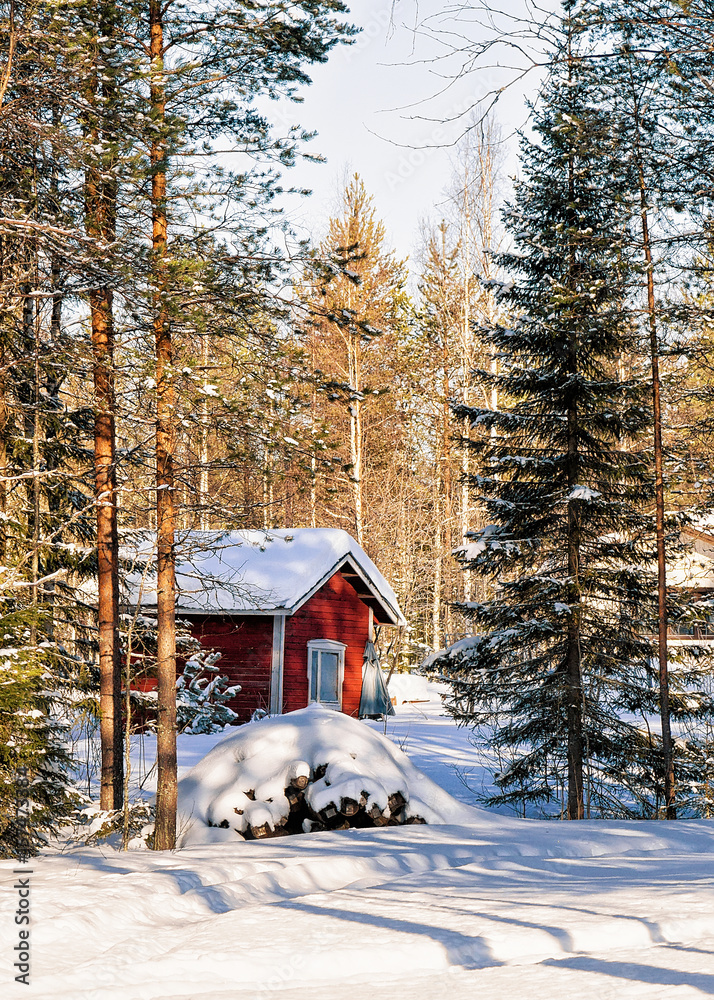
294 811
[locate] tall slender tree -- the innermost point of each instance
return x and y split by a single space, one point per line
98 60
358 306
236 53
563 648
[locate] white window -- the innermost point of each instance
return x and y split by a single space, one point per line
326 671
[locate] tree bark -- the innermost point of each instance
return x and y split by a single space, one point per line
574 683
166 793
662 625
100 223
4 427
203 498
355 409
436 586
107 556
573 666
669 779
4 408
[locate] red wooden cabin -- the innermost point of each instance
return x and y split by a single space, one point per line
290 610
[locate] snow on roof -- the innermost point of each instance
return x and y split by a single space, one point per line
258 572
703 525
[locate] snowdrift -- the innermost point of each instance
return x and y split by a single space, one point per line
314 769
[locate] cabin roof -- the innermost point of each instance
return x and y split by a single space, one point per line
256 571
694 569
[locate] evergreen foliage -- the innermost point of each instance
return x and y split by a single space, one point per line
560 672
36 792
202 692
343 417
202 695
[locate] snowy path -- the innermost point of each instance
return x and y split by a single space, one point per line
510 905
502 908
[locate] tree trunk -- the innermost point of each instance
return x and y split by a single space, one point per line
166 792
100 223
574 682
203 499
436 589
353 348
4 421
313 428
107 574
669 782
36 534
573 667
443 506
667 748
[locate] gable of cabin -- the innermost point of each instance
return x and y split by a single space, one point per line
252 647
336 613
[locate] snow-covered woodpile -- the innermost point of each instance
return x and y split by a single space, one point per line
310 770
312 802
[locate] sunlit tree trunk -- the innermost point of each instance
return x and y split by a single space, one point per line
669 780
100 194
355 408
166 791
204 500
662 625
573 666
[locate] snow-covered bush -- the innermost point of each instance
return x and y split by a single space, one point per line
202 694
310 770
93 826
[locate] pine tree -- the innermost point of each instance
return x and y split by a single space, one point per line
358 307
657 69
561 654
97 64
237 53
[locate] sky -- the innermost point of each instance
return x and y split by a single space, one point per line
390 107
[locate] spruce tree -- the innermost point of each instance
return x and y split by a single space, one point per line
45 428
561 658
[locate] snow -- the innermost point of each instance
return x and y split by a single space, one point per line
241 782
493 907
583 493
488 537
410 688
694 568
453 652
254 571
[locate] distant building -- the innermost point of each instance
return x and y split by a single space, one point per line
693 573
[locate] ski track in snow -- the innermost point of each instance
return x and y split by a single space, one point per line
500 908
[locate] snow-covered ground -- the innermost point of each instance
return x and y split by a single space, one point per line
497 908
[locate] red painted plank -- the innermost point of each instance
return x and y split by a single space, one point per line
246 642
334 612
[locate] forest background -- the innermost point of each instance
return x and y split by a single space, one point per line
175 356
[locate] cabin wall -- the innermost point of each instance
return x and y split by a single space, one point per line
334 612
246 642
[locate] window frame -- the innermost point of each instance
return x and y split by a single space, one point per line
325 646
